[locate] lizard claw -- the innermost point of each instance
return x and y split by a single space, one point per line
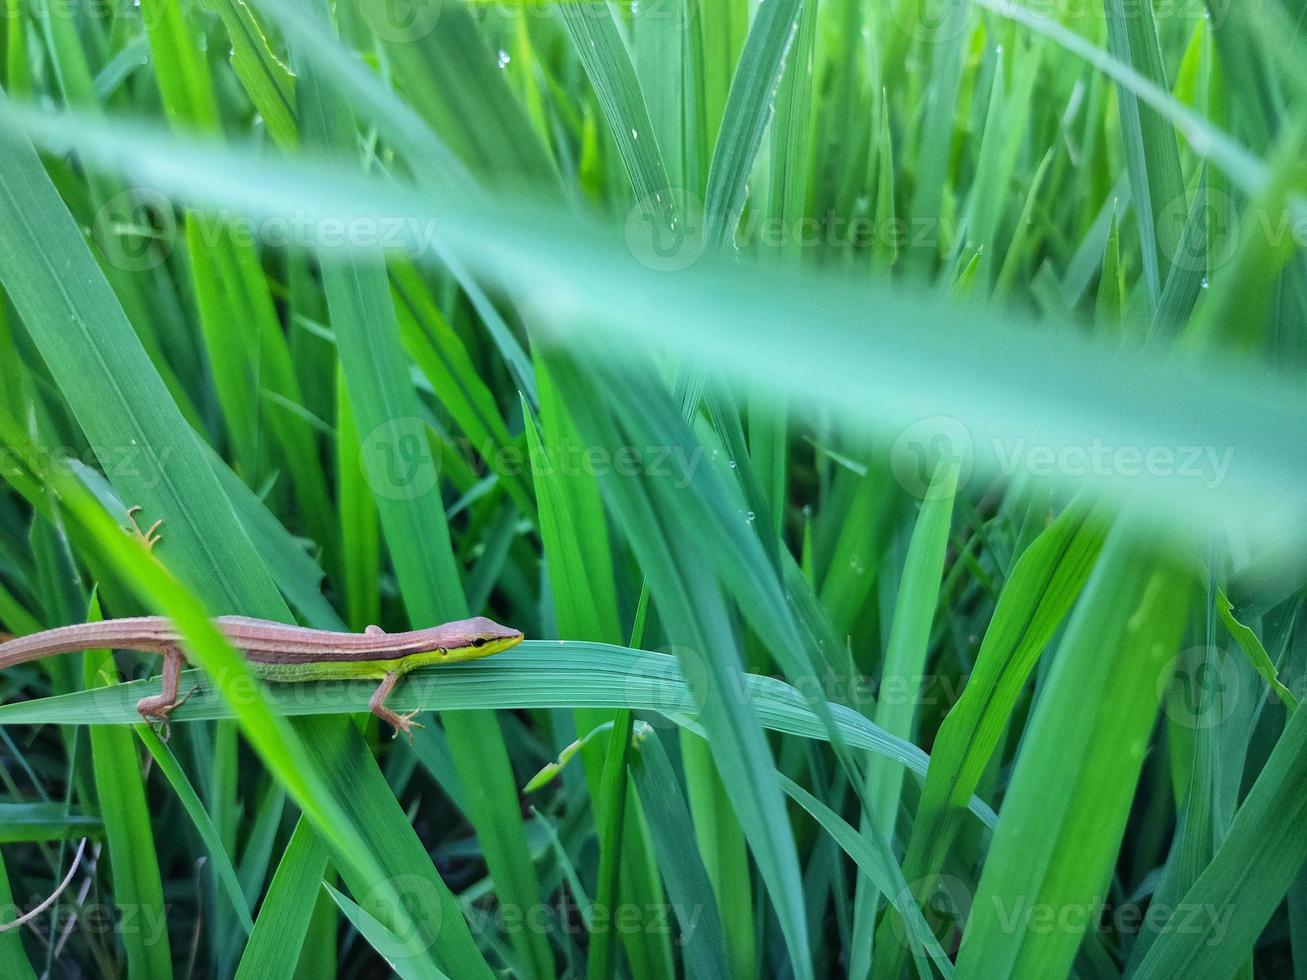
405 724
150 537
158 721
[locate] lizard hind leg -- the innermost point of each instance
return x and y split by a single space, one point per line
377 705
159 707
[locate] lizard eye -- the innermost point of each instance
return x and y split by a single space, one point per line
479 642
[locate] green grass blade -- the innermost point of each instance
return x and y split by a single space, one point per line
413 520
45 822
191 803
381 938
287 909
1237 893
266 78
688 886
905 660
600 48
13 958
538 674
744 121
1152 155
1043 586
127 828
1066 808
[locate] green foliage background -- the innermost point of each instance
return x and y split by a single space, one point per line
884 417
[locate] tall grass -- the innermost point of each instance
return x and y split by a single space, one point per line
884 418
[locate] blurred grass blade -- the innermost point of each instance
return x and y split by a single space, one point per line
959 368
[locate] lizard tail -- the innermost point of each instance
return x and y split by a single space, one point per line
17 650
141 634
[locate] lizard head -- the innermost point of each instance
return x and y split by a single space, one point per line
471 639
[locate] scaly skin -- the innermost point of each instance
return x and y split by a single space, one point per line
280 653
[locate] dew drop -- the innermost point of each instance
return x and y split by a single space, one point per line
503 59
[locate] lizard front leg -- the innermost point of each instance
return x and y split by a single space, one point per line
150 537
158 707
377 705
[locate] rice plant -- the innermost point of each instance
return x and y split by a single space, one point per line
883 418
